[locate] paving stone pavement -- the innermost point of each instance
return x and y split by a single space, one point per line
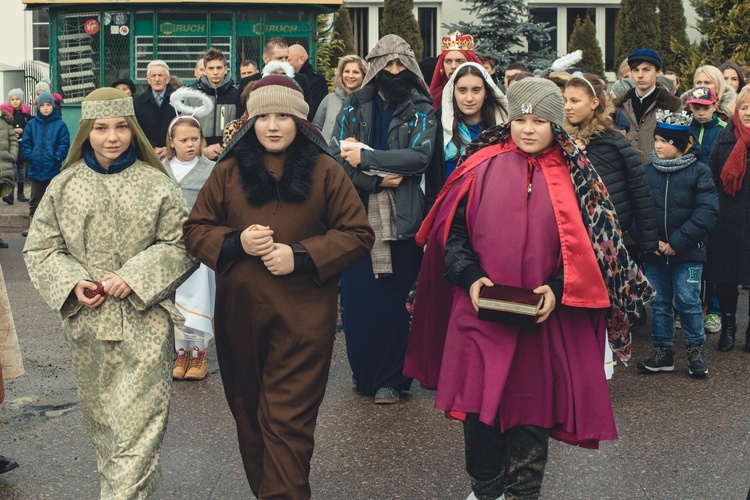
679 437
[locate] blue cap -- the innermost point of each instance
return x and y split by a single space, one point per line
644 55
45 97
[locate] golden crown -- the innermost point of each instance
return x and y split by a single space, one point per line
457 41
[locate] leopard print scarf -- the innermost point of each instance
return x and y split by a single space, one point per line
628 288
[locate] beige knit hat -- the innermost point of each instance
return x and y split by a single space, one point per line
277 94
536 96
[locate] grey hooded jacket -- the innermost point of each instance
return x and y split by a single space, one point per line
411 142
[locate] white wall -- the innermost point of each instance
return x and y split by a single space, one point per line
15 34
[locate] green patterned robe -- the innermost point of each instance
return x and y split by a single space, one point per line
129 223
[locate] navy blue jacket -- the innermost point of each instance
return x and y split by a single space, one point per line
686 205
45 145
706 133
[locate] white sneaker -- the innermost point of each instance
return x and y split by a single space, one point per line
712 323
472 496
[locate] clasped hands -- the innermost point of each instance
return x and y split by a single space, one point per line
114 286
257 241
665 249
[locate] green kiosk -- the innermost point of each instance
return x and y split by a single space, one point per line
95 42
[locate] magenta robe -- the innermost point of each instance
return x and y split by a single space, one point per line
551 375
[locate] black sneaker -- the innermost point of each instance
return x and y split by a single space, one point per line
696 365
662 360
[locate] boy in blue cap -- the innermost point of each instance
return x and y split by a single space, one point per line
640 103
686 199
705 128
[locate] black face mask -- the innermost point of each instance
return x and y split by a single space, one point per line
396 88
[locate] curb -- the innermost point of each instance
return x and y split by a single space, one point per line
14 221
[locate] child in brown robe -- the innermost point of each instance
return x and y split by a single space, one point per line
278 220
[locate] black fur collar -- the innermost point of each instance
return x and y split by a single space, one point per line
261 186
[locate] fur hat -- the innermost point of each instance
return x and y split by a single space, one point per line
644 55
277 94
537 96
16 92
43 86
45 98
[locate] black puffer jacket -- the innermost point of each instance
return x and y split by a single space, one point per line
620 168
687 207
729 241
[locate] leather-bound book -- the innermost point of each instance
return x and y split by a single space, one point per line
509 304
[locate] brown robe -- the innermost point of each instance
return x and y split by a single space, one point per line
274 334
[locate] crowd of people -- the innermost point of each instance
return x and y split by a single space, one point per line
397 198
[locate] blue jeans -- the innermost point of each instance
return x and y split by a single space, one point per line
679 287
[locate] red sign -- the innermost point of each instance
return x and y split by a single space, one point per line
91 26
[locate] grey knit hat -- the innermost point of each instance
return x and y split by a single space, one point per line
17 93
43 86
536 96
622 85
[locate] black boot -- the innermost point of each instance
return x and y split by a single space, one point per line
21 197
3 244
728 331
8 199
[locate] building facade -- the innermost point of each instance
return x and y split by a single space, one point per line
27 32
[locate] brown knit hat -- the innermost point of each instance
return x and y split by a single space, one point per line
277 94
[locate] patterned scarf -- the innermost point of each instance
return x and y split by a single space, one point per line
736 165
627 286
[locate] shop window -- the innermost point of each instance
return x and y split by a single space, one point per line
360 20
578 13
78 54
115 28
548 16
40 35
428 28
609 40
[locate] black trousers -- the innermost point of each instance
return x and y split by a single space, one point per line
510 463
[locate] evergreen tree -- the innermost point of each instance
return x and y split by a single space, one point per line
584 38
342 33
504 26
398 19
672 25
325 45
737 32
688 58
711 16
637 27
724 26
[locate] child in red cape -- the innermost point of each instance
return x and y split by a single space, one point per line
525 208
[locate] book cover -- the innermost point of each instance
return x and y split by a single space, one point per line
509 304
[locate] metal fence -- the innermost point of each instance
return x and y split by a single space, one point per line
33 73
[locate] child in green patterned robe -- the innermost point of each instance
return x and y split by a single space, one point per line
113 216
